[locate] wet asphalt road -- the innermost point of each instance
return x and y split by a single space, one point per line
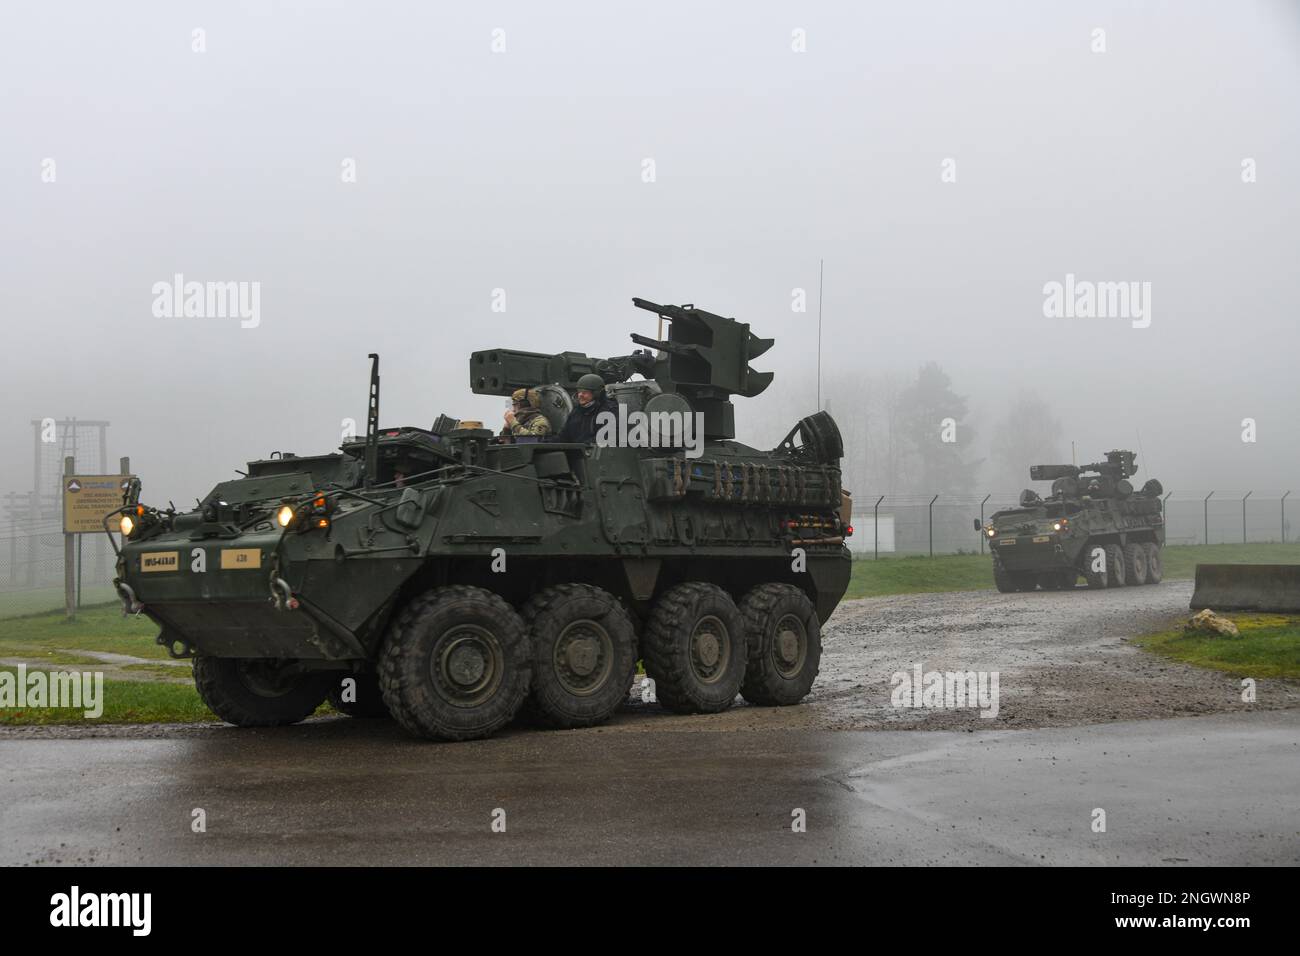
1221 789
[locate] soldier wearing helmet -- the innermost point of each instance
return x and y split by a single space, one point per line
583 423
524 418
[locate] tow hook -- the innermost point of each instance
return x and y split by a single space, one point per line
130 605
282 595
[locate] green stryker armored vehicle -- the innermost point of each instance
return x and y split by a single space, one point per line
448 577
1093 524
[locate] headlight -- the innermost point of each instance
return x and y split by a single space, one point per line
284 516
991 531
1057 526
127 525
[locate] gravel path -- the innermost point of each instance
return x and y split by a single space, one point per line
1062 659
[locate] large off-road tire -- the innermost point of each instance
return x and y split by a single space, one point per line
1155 566
695 649
1004 580
1135 564
1095 580
785 645
253 692
584 655
1114 566
368 700
455 664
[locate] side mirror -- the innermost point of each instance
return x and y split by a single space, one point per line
977 524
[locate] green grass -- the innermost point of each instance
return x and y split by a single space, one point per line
100 628
1269 646
124 702
914 574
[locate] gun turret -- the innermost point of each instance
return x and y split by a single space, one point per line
705 359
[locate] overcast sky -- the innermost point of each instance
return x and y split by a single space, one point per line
524 169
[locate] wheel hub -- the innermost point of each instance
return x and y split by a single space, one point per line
710 649
467 665
790 646
583 657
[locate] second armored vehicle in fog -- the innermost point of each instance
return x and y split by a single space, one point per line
444 575
1093 524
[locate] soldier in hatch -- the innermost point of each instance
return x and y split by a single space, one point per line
524 418
583 424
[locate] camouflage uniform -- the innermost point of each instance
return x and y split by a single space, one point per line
529 421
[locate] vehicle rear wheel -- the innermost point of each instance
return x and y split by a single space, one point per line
1155 566
584 655
1135 561
455 664
367 701
785 645
695 649
255 692
1114 566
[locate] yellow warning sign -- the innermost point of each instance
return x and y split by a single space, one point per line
88 498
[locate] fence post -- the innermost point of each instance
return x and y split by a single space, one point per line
1243 515
69 554
1284 517
875 525
932 501
1207 516
986 498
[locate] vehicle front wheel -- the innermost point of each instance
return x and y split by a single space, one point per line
455 664
1155 567
256 692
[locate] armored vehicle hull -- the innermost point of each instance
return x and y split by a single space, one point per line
1094 525
448 578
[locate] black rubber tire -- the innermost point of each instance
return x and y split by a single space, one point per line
493 636
230 688
1135 564
1049 581
667 645
1114 566
779 674
1096 580
555 700
369 703
1003 580
1155 565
